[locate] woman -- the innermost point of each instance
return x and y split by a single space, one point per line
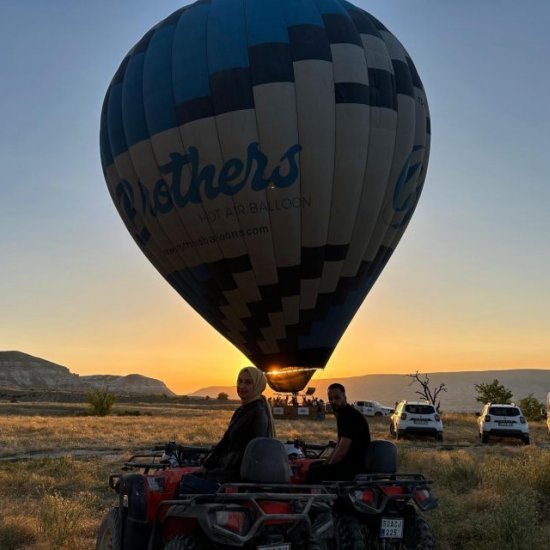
252 419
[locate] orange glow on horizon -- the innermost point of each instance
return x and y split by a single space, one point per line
388 336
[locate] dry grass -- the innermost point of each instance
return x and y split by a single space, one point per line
52 503
44 433
494 496
490 498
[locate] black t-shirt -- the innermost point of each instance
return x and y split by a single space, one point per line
350 423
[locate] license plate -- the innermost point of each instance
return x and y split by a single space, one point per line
278 546
391 528
420 421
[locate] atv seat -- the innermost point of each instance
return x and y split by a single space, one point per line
265 460
381 457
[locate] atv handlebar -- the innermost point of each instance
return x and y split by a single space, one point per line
312 450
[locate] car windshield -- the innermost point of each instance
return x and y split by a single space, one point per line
419 409
504 411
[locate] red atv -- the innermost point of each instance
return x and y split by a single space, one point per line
162 505
378 509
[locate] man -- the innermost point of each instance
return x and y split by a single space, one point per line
348 457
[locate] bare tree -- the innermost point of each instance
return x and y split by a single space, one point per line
428 393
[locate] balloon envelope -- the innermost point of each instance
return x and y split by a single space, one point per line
267 156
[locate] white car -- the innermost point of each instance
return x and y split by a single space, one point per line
372 408
502 420
416 418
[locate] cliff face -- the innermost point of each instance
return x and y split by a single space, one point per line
130 384
20 371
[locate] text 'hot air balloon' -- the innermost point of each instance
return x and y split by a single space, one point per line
267 156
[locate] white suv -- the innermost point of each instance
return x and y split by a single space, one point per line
502 420
372 408
413 417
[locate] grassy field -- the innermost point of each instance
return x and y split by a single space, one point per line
494 496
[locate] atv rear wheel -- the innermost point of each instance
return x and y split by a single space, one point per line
419 536
108 537
348 534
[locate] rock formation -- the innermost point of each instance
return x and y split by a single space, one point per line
20 371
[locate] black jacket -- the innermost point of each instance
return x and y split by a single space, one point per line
248 421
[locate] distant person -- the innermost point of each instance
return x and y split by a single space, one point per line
320 410
348 457
252 419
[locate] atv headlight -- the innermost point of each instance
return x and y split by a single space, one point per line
234 520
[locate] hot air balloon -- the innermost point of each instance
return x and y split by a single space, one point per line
266 156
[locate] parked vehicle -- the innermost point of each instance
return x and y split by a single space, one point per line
162 505
416 418
372 408
380 508
502 420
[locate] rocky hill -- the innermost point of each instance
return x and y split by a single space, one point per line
132 383
20 371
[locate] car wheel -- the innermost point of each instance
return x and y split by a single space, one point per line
439 437
484 438
525 440
377 413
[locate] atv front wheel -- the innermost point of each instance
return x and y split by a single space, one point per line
348 534
420 535
108 537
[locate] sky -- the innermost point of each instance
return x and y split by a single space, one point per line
466 289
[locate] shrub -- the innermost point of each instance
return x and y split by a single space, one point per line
222 396
60 519
531 407
495 392
101 402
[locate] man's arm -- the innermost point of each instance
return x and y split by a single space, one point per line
340 451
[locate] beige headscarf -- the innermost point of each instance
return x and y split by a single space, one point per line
259 382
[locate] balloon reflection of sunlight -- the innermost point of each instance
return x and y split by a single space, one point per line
289 379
